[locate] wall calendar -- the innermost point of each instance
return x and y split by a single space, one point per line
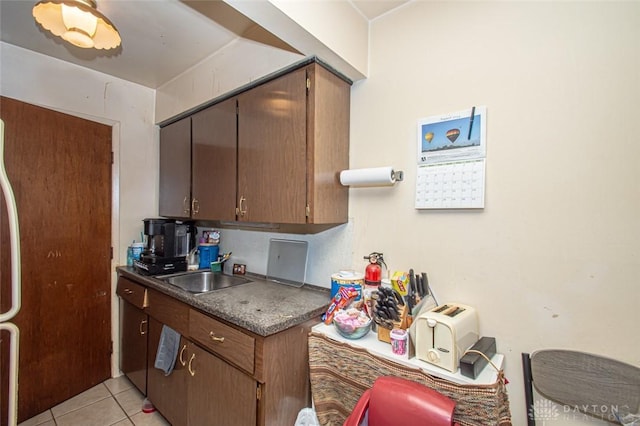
451 160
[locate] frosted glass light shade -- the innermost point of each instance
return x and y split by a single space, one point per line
78 22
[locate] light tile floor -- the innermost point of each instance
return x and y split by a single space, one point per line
116 402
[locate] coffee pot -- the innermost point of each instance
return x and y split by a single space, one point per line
166 246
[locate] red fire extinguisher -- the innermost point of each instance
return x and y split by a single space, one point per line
373 271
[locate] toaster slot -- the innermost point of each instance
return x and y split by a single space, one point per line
441 308
456 312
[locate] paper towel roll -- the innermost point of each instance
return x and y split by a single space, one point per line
379 176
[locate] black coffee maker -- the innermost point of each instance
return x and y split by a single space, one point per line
167 244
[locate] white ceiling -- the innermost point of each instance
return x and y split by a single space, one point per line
160 38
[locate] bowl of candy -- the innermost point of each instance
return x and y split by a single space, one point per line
352 323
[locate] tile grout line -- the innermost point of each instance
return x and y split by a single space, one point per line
79 408
111 395
126 415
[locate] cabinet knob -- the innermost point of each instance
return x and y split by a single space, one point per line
143 329
195 206
242 208
191 371
216 338
185 206
182 361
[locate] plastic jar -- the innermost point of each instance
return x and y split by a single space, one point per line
399 339
208 253
130 256
136 249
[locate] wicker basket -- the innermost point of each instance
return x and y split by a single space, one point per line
340 373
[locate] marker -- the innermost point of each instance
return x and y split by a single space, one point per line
473 112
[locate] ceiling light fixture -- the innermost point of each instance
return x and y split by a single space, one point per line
78 22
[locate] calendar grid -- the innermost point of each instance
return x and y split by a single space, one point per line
451 160
451 185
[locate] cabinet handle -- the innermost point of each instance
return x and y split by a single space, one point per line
182 361
193 373
127 291
185 205
243 210
195 206
215 338
142 323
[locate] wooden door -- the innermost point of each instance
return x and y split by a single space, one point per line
219 394
272 155
60 169
167 393
175 169
133 344
214 144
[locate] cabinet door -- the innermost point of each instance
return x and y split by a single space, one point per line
272 151
214 144
327 145
219 394
175 169
133 345
167 393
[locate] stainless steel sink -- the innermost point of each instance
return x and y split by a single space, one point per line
202 281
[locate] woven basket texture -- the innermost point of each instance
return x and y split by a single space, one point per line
340 373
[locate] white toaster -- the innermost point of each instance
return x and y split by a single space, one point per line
444 333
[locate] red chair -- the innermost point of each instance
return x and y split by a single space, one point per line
394 401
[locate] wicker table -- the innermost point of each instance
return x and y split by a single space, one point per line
341 371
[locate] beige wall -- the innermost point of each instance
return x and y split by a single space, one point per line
332 30
236 65
553 260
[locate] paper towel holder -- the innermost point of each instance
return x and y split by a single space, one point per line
381 176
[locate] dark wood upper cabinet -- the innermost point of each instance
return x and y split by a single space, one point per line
214 162
293 141
328 109
269 154
272 152
175 169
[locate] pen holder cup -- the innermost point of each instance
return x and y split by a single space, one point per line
216 266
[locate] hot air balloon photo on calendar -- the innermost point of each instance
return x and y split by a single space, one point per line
452 136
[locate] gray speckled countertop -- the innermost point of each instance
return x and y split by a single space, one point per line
260 306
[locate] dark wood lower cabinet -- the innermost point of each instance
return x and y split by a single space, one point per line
202 390
167 393
219 394
133 344
224 375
